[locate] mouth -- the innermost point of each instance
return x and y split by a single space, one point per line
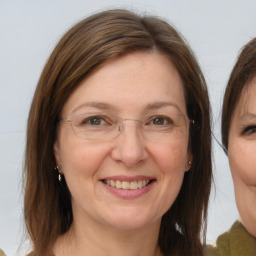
128 185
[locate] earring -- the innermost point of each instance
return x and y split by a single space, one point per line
59 177
189 165
58 169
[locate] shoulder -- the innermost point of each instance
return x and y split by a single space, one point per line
237 241
31 254
2 253
211 251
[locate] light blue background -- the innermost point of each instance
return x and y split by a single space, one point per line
216 30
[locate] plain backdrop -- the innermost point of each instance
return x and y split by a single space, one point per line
29 30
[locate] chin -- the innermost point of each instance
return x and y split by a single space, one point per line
130 220
128 225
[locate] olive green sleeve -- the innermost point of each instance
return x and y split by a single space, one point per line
236 242
211 251
2 253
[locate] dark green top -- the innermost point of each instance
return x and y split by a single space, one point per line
236 242
2 253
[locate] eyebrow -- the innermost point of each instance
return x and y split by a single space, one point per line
248 115
107 106
161 104
99 105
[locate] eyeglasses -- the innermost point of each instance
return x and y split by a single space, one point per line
103 126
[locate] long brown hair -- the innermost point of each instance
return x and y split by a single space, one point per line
242 74
85 47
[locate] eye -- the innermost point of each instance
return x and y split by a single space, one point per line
160 121
94 121
249 130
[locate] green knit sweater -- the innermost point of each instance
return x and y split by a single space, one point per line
236 242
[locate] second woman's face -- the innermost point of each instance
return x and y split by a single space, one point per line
131 180
242 156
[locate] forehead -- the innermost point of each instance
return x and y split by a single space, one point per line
130 82
247 101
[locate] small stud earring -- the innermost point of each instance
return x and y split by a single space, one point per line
189 162
57 168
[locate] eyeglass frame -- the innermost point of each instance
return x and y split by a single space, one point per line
120 126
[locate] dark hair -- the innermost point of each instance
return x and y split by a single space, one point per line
242 74
82 50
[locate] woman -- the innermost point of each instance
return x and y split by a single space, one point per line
238 138
118 157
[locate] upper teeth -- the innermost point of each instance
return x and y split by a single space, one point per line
127 184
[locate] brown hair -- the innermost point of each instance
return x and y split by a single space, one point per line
242 74
85 47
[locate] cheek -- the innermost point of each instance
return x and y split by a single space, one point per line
171 157
84 159
81 164
243 162
80 158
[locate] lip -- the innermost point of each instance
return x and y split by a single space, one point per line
129 178
129 193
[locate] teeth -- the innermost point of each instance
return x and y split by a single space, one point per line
133 185
118 184
126 184
112 183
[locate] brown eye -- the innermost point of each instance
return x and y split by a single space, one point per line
161 120
95 121
158 121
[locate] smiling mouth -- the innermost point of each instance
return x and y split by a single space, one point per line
127 185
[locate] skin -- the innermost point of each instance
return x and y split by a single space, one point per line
127 226
241 154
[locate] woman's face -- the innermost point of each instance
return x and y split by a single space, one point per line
131 180
242 158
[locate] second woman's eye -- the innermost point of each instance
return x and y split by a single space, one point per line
249 130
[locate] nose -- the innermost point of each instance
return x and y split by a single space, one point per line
129 146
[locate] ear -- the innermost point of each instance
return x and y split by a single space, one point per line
56 152
189 162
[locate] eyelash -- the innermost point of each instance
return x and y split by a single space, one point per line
90 119
249 130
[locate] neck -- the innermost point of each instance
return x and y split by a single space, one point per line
94 239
